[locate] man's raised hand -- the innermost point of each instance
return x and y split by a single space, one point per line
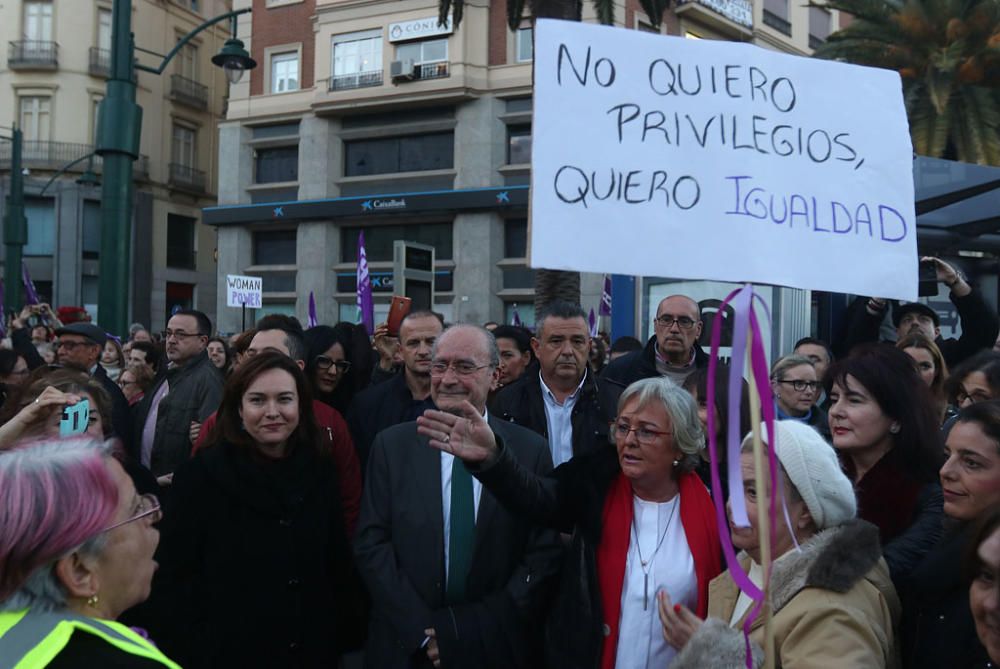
468 437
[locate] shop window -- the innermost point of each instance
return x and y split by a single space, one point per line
277 164
274 247
412 153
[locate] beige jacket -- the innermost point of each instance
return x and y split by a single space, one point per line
834 606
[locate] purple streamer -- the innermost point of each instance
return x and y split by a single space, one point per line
366 303
313 321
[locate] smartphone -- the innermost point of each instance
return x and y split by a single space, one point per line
927 279
75 419
397 312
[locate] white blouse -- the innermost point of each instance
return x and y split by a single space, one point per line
670 567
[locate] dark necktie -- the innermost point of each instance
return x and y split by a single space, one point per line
462 527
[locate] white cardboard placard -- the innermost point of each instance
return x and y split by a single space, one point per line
244 290
702 159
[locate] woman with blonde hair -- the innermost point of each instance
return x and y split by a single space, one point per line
930 365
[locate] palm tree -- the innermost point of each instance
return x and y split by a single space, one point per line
550 284
948 55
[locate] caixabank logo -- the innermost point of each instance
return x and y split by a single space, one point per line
380 205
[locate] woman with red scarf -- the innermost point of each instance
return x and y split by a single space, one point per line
641 522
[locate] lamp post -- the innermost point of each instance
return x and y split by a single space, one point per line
15 226
119 130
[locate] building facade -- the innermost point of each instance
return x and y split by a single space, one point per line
369 116
52 77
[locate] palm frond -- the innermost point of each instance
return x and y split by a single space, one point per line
655 9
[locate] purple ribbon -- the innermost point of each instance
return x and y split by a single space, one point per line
745 320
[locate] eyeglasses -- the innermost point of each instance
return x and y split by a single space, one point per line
683 322
643 434
180 334
149 505
123 384
326 362
976 397
460 368
799 386
71 345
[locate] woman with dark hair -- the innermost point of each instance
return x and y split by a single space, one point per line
930 365
218 351
697 384
885 429
982 571
330 365
975 380
938 626
13 373
255 560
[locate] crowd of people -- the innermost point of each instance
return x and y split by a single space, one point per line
450 495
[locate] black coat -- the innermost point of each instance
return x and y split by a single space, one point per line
255 565
522 403
380 406
571 499
979 321
399 548
938 629
635 366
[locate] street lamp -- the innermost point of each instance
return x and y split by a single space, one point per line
119 130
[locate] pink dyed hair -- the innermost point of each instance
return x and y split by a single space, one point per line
54 497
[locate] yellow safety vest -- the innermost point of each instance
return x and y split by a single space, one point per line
32 640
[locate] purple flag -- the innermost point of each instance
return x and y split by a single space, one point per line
366 305
30 296
313 322
3 313
516 320
605 309
592 322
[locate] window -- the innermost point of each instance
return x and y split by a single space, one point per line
274 247
515 238
41 227
183 150
91 230
277 164
180 241
428 51
179 296
414 153
776 15
36 118
104 29
379 240
285 72
187 61
525 49
95 112
819 26
357 60
38 21
518 144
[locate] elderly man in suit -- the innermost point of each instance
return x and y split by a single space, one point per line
455 580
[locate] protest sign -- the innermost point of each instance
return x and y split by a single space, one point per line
243 291
701 159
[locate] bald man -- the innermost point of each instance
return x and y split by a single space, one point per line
672 351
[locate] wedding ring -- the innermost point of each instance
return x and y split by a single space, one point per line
446 438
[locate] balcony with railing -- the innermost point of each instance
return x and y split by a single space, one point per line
739 12
100 62
184 177
33 55
431 71
188 92
342 82
46 156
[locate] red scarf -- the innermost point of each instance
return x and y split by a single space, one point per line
698 519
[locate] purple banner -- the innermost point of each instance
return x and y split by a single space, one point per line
605 309
366 305
313 322
30 295
592 322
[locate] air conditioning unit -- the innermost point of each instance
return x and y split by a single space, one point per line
403 70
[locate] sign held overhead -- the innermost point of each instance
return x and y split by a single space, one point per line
714 160
243 291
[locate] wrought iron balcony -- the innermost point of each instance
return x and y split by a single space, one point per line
52 156
188 92
431 71
778 23
100 62
33 55
342 82
187 178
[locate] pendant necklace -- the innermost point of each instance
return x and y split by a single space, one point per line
647 565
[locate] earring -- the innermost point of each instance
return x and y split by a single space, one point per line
894 428
676 462
92 601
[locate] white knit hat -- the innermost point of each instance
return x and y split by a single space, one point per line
814 470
